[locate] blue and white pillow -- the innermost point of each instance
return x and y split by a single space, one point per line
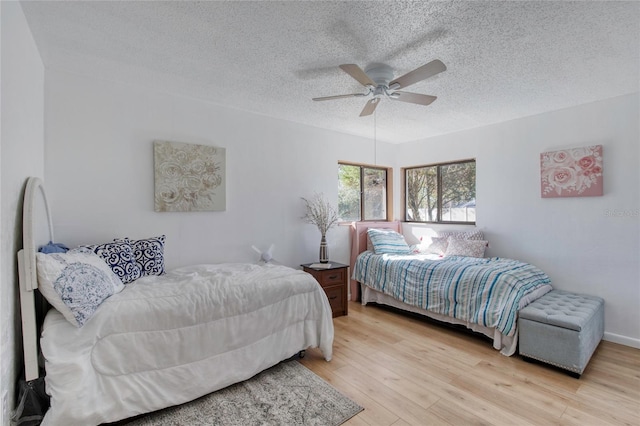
120 258
76 283
387 241
149 254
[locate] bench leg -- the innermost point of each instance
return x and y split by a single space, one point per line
535 361
527 359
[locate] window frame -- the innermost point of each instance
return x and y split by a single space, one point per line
439 192
389 190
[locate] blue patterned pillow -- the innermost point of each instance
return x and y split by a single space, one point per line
75 283
120 258
149 254
386 241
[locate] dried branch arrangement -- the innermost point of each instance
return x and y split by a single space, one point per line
320 213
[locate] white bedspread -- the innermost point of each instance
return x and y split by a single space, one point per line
170 339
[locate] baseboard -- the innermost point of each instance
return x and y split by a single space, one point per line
623 340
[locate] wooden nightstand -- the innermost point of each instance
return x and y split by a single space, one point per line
334 281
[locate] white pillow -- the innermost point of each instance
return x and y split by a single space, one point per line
76 283
469 248
438 246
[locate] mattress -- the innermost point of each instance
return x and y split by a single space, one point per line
169 339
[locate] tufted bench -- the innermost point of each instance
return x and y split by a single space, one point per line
562 329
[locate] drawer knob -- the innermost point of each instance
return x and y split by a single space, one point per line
333 297
332 277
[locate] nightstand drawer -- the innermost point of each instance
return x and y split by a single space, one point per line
334 281
331 277
334 294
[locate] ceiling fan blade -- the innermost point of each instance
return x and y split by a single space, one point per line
370 107
414 98
356 72
328 98
427 70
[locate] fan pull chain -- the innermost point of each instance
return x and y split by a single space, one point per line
375 139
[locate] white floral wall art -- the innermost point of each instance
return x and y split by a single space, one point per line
188 177
573 172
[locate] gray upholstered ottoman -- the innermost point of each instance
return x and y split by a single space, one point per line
562 329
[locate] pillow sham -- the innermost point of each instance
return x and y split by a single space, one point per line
75 283
119 256
469 248
369 243
438 246
462 235
148 254
386 241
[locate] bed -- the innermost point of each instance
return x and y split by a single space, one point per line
482 294
162 339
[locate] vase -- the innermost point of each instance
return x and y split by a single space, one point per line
324 250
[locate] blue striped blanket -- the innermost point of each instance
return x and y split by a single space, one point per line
482 291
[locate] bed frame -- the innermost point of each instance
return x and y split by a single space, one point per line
154 388
35 200
359 244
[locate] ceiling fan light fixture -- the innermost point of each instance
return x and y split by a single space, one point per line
379 91
381 74
377 80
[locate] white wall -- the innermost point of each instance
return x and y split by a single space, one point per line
21 156
588 244
99 173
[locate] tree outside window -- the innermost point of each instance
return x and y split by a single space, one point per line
441 193
362 192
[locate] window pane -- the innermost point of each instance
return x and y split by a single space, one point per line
458 192
441 193
422 194
375 194
348 193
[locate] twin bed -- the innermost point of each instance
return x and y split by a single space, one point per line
483 294
161 339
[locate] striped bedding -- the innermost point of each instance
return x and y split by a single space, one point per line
484 291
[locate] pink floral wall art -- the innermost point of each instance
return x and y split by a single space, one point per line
573 172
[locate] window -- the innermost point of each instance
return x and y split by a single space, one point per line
444 193
363 192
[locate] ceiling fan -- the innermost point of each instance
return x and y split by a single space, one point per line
379 82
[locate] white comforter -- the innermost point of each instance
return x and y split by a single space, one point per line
167 340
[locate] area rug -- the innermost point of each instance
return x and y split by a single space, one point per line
286 394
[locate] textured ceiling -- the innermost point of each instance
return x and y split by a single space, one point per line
504 59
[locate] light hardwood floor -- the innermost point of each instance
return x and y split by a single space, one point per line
405 371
